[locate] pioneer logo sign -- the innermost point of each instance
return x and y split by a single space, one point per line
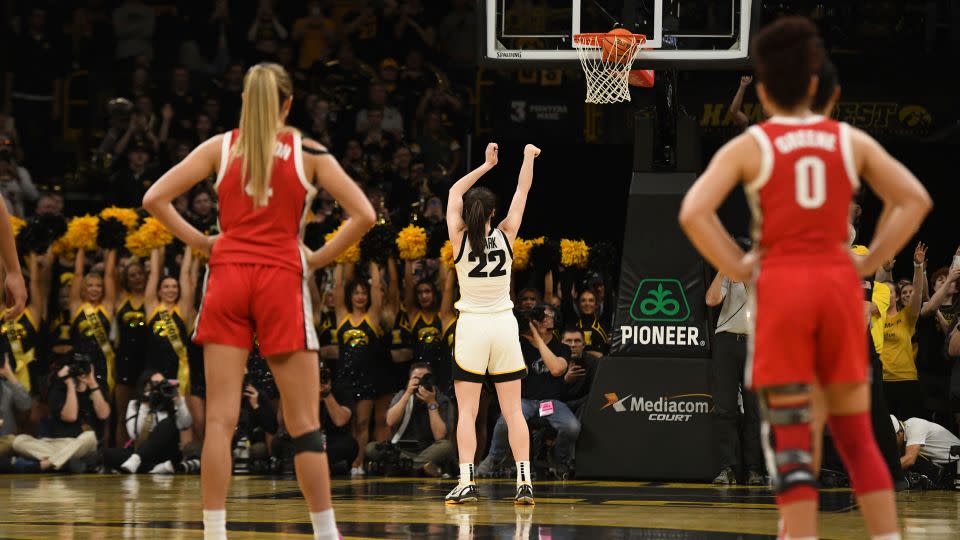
660 301
680 408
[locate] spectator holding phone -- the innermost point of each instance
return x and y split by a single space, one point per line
581 371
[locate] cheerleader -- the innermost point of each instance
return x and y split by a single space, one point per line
358 306
421 300
92 302
394 368
131 328
15 291
19 337
169 304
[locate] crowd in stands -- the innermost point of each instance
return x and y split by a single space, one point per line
100 373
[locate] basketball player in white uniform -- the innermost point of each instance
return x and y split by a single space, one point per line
487 342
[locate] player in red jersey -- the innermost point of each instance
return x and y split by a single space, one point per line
800 172
257 282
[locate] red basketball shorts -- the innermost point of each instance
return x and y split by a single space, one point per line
243 301
809 325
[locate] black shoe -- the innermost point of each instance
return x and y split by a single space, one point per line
726 477
755 478
463 493
524 495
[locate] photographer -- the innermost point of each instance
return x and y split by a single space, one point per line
541 392
257 421
78 409
336 410
419 417
14 398
919 438
154 421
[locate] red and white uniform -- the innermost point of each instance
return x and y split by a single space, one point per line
257 284
809 300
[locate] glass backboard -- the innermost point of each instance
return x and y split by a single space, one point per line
691 34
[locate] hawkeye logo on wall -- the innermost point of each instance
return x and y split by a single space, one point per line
679 408
662 305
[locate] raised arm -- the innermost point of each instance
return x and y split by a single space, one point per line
37 299
919 256
392 301
348 194
201 163
899 189
339 300
936 300
76 286
15 292
548 288
455 223
110 281
446 300
511 224
410 288
737 104
153 279
186 285
376 293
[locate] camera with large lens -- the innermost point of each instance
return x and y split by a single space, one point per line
162 394
80 364
526 316
427 382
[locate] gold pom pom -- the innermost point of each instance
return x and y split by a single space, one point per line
538 241
446 254
151 235
60 248
350 255
16 224
412 243
521 253
82 233
574 253
127 216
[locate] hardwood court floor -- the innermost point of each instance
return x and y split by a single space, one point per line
167 507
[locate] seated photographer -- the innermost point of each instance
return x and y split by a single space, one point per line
582 369
419 417
154 421
336 410
257 424
14 398
78 410
541 392
919 438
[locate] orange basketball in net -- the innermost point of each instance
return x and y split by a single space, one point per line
616 46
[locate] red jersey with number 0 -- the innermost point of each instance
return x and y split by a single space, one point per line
269 235
801 198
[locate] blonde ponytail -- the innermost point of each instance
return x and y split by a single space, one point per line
265 88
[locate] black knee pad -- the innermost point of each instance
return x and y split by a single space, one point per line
312 441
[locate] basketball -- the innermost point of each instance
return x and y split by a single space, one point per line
617 48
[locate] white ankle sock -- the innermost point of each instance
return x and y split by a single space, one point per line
523 472
324 525
215 524
466 473
163 468
888 536
131 464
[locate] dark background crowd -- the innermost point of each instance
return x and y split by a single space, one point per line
101 97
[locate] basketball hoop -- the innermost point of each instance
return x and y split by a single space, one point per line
606 59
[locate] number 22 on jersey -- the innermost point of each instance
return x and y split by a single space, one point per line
483 259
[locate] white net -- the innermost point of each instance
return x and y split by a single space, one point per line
608 70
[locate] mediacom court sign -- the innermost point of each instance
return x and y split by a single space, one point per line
680 408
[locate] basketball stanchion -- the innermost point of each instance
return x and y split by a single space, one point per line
609 73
